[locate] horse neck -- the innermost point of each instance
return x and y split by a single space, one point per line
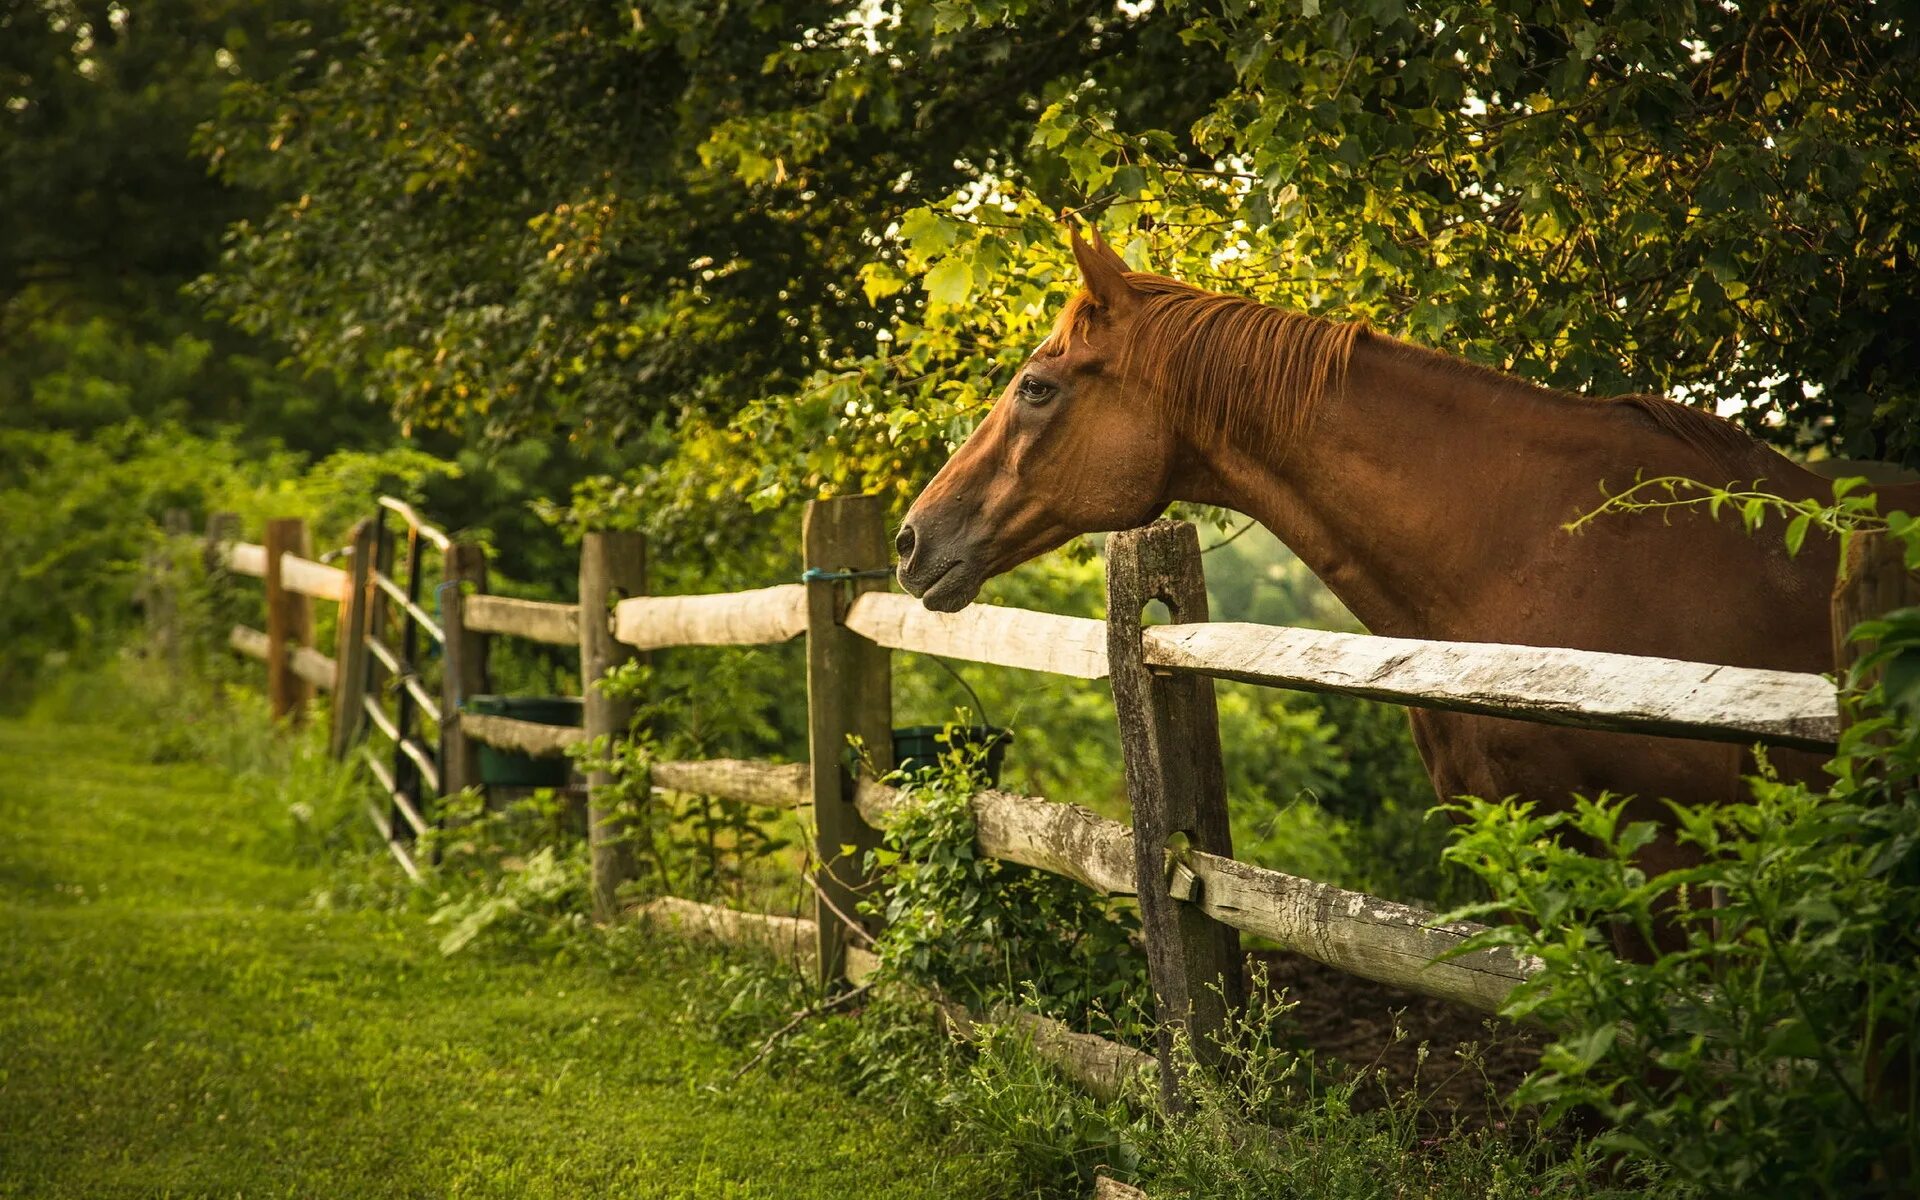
1432 498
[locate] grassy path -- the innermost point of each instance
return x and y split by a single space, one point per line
177 1020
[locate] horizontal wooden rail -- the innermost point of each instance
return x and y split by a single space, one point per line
521 737
1005 637
247 558
789 938
1105 1068
758 618
1584 688
297 574
413 520
535 620
399 596
1064 839
780 785
308 663
1360 934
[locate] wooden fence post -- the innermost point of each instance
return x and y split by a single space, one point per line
163 588
350 643
1170 744
289 622
463 671
223 528
1874 580
849 693
612 566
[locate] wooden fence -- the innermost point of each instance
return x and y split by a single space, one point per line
1177 859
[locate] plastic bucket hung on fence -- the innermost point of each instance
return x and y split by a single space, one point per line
510 768
918 748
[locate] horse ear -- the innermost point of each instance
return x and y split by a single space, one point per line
1102 271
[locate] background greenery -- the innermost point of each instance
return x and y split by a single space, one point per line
680 266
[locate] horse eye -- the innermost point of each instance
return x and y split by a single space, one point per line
1035 391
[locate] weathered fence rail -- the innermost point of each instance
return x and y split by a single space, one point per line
1196 899
1585 688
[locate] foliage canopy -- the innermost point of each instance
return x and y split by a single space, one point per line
570 219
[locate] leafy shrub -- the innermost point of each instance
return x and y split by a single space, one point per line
1747 1061
985 931
79 516
1772 1052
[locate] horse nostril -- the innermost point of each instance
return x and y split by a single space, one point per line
903 542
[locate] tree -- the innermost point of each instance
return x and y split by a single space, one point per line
110 213
566 218
692 233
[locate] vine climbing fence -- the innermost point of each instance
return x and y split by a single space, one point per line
1176 857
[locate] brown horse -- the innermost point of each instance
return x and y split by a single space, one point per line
1429 494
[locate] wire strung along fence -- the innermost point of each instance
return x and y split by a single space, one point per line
1176 858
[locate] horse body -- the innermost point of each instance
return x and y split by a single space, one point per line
1431 496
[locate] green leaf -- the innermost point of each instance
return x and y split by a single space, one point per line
1797 532
927 232
879 280
949 284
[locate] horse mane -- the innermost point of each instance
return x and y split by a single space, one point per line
1229 367
1721 441
1232 368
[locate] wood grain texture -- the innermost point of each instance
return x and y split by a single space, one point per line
535 620
1176 786
1363 935
352 642
521 737
612 566
1063 839
1006 637
1360 934
778 785
289 621
1873 582
1583 688
762 617
849 695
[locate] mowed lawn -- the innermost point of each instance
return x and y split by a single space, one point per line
177 1019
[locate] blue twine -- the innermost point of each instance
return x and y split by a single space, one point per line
817 575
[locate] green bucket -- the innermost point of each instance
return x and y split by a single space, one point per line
918 748
510 768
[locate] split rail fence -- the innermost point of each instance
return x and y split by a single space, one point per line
1176 858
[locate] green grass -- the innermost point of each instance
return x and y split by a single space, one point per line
178 1019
